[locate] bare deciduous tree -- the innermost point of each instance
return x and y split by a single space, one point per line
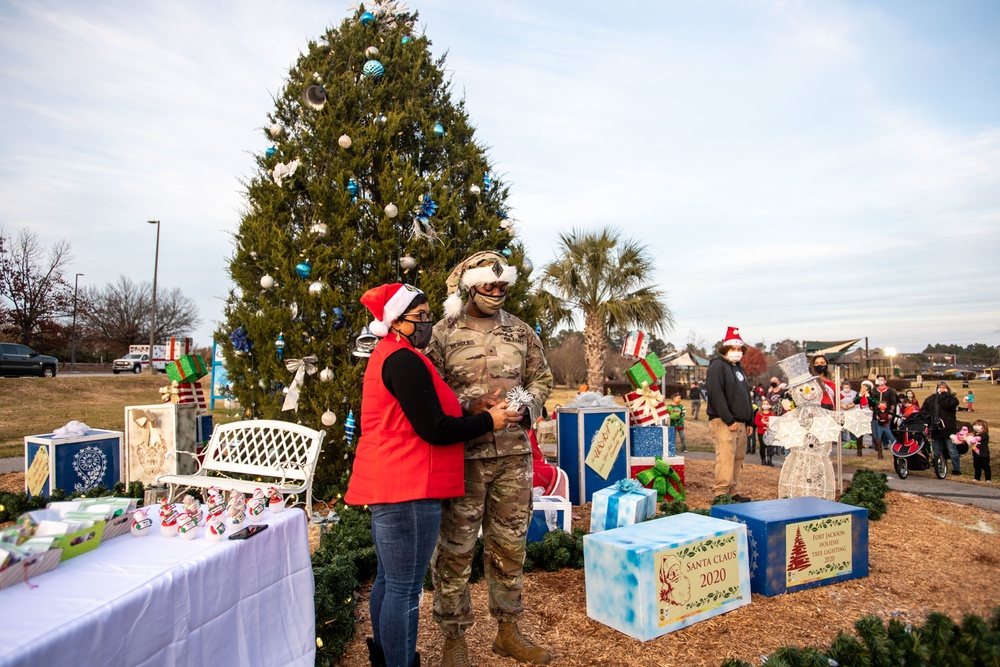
32 287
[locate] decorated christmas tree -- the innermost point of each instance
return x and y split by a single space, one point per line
799 558
373 175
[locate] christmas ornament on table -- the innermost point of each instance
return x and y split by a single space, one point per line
647 405
519 398
275 500
303 269
215 528
187 527
236 510
168 518
636 344
141 523
256 505
314 97
282 171
279 345
266 281
329 418
809 431
320 229
365 343
192 506
300 367
373 69
344 141
349 427
216 502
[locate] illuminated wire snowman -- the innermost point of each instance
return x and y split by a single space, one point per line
809 431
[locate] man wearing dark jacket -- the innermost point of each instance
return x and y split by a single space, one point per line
942 406
730 413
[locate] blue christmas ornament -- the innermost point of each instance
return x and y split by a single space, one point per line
271 151
338 318
303 269
367 18
438 130
352 187
538 329
505 252
406 40
373 69
279 345
349 426
486 183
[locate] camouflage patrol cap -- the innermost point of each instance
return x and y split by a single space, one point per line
482 268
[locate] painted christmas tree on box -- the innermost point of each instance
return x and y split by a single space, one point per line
373 175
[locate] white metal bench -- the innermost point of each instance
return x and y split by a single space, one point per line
282 454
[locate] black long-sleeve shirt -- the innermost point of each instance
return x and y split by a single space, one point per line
406 377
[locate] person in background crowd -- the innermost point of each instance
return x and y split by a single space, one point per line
847 395
883 392
883 436
730 413
758 392
981 452
761 421
969 400
409 457
913 399
676 411
821 369
773 396
920 381
864 399
695 395
942 406
908 408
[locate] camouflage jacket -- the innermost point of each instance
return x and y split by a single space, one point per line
480 356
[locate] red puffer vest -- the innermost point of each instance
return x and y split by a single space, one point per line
393 464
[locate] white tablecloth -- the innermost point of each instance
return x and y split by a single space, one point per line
154 601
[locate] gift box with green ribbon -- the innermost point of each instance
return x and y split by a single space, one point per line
648 370
189 368
664 479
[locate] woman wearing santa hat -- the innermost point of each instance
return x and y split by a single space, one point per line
409 457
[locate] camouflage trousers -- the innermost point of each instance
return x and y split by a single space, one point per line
498 499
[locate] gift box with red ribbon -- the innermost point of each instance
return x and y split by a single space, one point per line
189 368
648 370
647 406
636 344
676 463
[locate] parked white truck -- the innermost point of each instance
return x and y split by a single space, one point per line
138 358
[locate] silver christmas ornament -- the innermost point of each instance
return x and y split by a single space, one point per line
329 418
407 263
391 210
475 190
314 97
344 141
276 130
371 52
365 343
266 281
326 375
319 229
527 265
316 287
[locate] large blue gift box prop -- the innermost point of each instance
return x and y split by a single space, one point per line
614 508
74 464
650 441
799 543
577 428
203 428
546 508
659 576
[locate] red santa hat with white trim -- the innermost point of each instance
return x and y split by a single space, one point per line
732 338
387 303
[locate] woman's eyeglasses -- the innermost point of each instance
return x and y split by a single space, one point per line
424 317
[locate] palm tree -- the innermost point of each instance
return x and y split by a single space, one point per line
607 279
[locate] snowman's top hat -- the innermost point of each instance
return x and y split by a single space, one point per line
796 367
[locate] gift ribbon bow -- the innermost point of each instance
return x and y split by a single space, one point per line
170 393
647 402
658 475
300 367
628 486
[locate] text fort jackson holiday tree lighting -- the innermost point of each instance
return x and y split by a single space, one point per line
373 175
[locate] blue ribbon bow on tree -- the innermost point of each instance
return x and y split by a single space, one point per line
239 339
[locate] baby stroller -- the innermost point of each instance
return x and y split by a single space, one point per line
913 450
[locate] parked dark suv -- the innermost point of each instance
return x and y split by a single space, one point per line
18 360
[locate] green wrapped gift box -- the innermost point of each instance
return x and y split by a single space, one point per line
648 370
189 368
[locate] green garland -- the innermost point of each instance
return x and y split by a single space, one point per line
938 643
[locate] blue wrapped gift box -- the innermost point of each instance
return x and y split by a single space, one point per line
612 508
74 464
662 575
203 428
650 441
576 431
799 543
549 511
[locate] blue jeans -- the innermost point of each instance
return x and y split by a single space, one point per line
405 535
884 433
939 446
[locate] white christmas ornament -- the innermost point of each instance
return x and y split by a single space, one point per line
266 281
326 375
329 418
391 210
316 287
276 130
344 141
527 265
407 263
319 229
475 190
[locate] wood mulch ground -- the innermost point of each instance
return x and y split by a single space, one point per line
925 555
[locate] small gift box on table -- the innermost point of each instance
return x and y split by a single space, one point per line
636 344
74 464
648 370
647 406
593 446
549 513
659 576
624 504
799 543
189 368
650 441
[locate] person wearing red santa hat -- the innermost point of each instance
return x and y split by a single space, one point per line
730 413
409 457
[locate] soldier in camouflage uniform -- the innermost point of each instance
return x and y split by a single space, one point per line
482 352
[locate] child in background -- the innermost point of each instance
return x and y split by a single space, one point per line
883 436
676 411
981 452
969 400
761 420
908 407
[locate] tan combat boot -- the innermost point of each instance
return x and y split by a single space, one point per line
455 653
510 643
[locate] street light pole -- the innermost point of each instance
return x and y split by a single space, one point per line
152 314
72 338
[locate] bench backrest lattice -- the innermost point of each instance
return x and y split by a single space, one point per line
264 447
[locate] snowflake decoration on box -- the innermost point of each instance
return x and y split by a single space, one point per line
519 397
751 542
90 464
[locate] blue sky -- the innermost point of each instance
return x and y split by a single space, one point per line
798 169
